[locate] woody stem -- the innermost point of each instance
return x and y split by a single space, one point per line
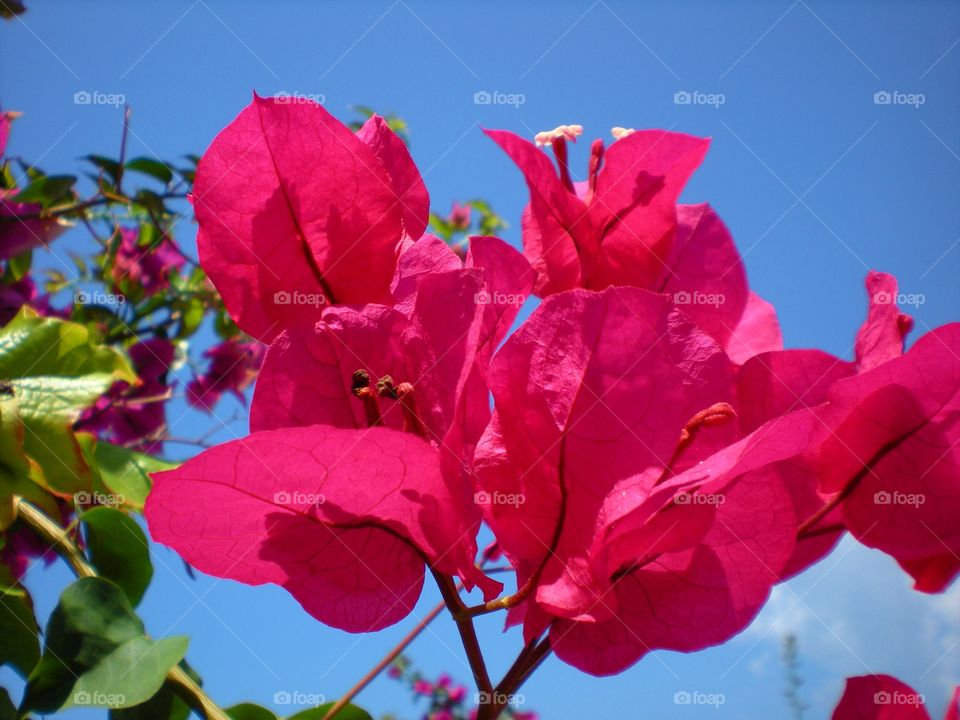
60 541
468 634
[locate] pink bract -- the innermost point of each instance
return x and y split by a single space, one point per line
352 553
297 212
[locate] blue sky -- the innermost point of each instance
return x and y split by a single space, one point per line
817 178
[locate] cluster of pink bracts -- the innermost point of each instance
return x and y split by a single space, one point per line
654 461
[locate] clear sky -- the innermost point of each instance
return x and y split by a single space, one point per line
817 177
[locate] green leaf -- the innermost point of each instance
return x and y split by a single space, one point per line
118 549
97 654
8 711
48 190
192 315
19 266
110 167
350 712
166 704
54 370
249 711
151 202
18 628
124 472
154 168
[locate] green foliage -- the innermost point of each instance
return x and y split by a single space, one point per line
350 712
97 653
50 371
118 549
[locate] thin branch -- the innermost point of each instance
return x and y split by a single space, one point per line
468 635
384 662
58 539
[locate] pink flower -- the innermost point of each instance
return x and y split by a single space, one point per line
459 217
369 392
884 460
233 366
145 267
623 227
15 295
135 417
297 213
882 697
422 687
458 694
19 231
622 520
617 227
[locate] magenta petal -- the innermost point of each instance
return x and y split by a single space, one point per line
295 212
694 598
556 227
427 255
757 332
704 273
634 207
352 553
892 443
775 383
18 236
570 425
307 373
408 187
879 697
508 281
882 334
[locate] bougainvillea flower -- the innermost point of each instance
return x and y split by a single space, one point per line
690 562
20 230
773 383
376 410
343 520
885 458
449 317
617 228
135 416
232 366
882 697
14 295
459 217
145 267
297 212
891 452
620 487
